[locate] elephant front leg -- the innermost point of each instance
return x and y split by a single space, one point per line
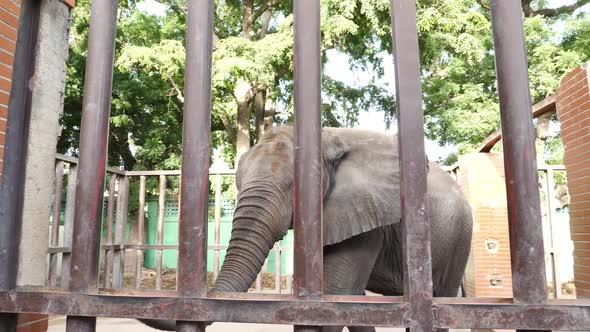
347 268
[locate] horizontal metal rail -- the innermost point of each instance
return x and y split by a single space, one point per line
453 313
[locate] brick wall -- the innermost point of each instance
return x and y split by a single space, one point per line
573 110
488 273
9 15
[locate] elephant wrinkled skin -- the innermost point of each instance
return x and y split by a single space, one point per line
362 232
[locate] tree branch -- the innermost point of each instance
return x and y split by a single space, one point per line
567 9
263 9
179 94
228 127
483 5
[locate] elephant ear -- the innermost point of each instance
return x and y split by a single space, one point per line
364 178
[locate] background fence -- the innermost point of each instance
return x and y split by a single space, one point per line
139 235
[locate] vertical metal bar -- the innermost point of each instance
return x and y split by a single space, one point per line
551 217
59 180
140 232
308 183
217 224
108 257
277 250
93 152
119 254
289 284
159 252
13 177
69 224
520 165
196 142
414 202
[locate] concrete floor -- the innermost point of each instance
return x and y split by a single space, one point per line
130 325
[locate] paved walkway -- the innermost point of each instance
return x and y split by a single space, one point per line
131 325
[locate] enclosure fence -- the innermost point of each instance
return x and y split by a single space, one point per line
307 308
119 239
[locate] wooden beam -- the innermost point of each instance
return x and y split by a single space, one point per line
545 106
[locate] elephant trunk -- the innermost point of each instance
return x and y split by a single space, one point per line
262 217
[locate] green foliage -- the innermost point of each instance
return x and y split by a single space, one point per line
458 71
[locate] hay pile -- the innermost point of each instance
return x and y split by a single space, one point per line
148 280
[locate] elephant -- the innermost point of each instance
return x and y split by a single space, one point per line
362 232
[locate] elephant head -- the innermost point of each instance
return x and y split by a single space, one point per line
358 171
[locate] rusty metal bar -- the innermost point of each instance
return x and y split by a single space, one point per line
217 224
140 232
69 225
93 152
273 309
277 250
54 241
108 257
196 142
413 163
308 183
520 166
119 255
308 191
159 252
17 128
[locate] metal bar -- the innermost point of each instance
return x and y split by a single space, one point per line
551 217
69 225
54 241
289 284
308 191
178 172
108 257
159 253
520 166
140 232
274 309
119 255
16 139
93 152
513 316
414 203
308 177
73 160
196 142
277 250
217 224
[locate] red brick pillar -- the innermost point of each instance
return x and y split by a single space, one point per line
488 273
573 110
9 17
32 323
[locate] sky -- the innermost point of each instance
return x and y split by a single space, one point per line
337 68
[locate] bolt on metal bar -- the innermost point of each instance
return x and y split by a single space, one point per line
160 252
413 167
308 178
59 180
93 154
140 232
196 141
520 165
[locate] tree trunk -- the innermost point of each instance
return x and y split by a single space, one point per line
259 106
243 135
269 115
542 133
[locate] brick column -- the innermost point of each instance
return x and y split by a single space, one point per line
488 273
9 18
573 110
